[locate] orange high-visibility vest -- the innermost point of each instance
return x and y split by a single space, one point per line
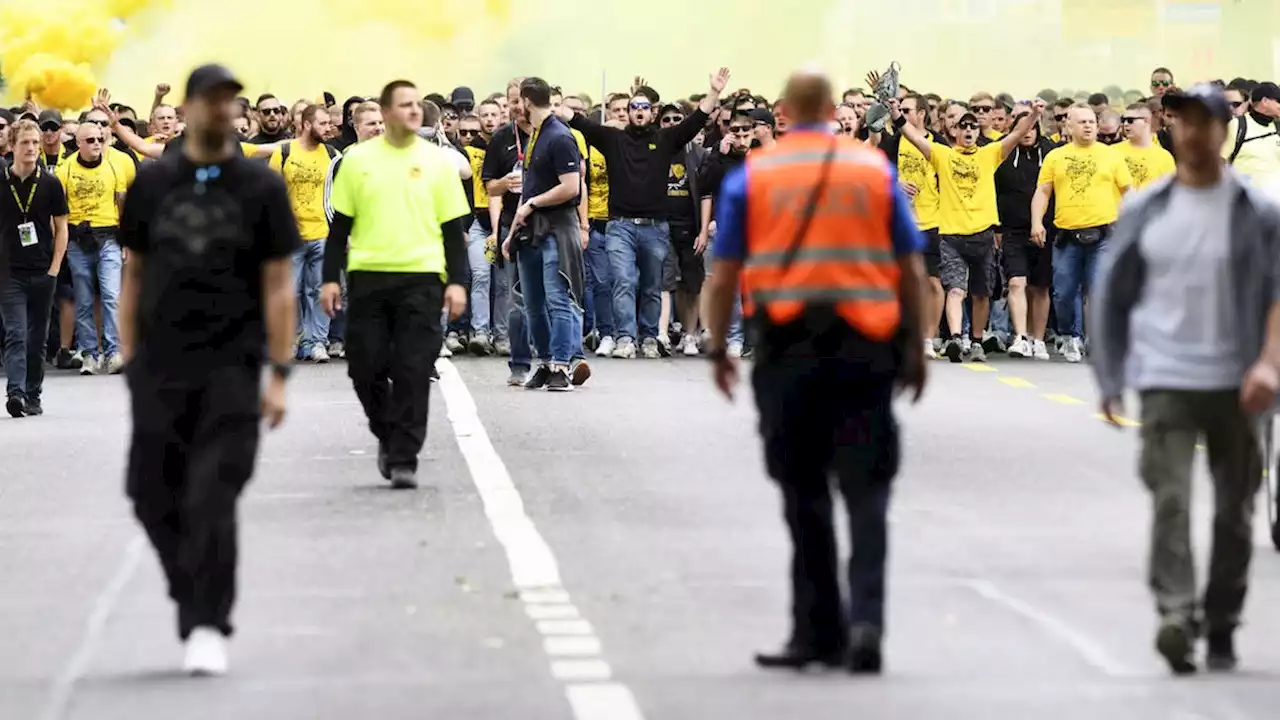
846 258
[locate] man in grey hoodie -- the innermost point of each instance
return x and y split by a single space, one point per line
1187 313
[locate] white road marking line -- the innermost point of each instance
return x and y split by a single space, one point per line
603 701
534 569
60 692
581 670
565 627
1090 651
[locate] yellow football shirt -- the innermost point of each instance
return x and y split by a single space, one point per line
966 188
1086 184
304 173
91 192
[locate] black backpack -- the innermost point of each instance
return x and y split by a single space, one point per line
1242 129
284 152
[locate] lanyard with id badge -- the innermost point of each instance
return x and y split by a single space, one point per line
26 228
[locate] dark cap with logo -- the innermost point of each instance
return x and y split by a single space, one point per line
1264 91
1207 96
207 78
50 120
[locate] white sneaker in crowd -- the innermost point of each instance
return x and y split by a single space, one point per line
206 653
734 350
88 365
445 352
115 364
337 349
929 352
977 353
319 354
1071 350
625 349
454 343
689 345
607 346
1039 350
650 350
1020 348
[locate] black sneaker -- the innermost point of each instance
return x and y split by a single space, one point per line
953 350
64 360
559 381
1220 655
1175 642
383 468
435 374
16 405
539 378
34 408
865 655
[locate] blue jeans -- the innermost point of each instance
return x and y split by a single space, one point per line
482 273
1074 269
735 334
554 319
25 303
636 253
599 299
308 272
103 269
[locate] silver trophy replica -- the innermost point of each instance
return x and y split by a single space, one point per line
885 90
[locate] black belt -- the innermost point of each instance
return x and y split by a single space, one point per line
637 221
600 226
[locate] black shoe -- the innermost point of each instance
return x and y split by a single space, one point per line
559 381
579 372
797 657
953 350
402 478
1175 642
64 360
383 468
435 374
865 656
1220 655
34 408
16 405
539 378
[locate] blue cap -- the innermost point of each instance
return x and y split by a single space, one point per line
1209 97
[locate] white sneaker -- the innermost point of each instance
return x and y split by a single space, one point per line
1039 350
929 352
734 350
115 364
965 344
319 354
1020 348
206 653
625 350
977 353
689 345
445 352
89 365
1071 350
607 346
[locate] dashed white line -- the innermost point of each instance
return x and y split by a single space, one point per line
572 648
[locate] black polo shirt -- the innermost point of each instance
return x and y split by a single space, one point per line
552 152
500 159
204 234
48 202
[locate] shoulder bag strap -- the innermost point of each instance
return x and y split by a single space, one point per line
811 206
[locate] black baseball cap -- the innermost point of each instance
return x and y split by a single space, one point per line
670 107
1207 96
462 96
50 117
7 115
761 115
1263 91
967 116
208 78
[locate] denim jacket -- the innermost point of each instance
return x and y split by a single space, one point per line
1255 265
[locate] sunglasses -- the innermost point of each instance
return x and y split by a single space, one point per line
273 111
99 123
93 141
1130 120
468 133
673 119
967 125
1161 83
740 129
1237 104
640 106
1060 118
981 109
450 116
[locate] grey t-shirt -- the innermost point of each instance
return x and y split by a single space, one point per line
1185 333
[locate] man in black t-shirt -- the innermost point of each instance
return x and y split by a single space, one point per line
208 285
33 241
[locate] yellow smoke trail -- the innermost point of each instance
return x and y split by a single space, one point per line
49 49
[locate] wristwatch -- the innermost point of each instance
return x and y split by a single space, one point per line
281 370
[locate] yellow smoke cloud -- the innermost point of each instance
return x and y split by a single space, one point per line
49 49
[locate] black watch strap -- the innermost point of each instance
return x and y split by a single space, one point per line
282 370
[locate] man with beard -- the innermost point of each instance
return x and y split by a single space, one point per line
207 291
273 121
639 163
304 163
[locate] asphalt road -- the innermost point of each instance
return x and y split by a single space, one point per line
611 553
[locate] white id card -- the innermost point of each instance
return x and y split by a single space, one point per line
27 234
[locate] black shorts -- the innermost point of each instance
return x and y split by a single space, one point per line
969 262
1023 258
932 252
690 268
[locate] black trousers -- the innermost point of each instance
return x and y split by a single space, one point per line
193 450
394 335
25 301
825 402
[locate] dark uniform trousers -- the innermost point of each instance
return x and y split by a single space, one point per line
393 339
824 393
195 441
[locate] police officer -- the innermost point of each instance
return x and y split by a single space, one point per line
831 266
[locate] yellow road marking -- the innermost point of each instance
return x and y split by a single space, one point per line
1017 382
979 367
1120 420
1064 399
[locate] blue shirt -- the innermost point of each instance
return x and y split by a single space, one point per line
731 214
554 154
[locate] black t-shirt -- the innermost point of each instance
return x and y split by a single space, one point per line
500 159
48 201
714 168
203 245
554 154
263 138
680 209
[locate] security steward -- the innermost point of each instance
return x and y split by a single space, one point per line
831 265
